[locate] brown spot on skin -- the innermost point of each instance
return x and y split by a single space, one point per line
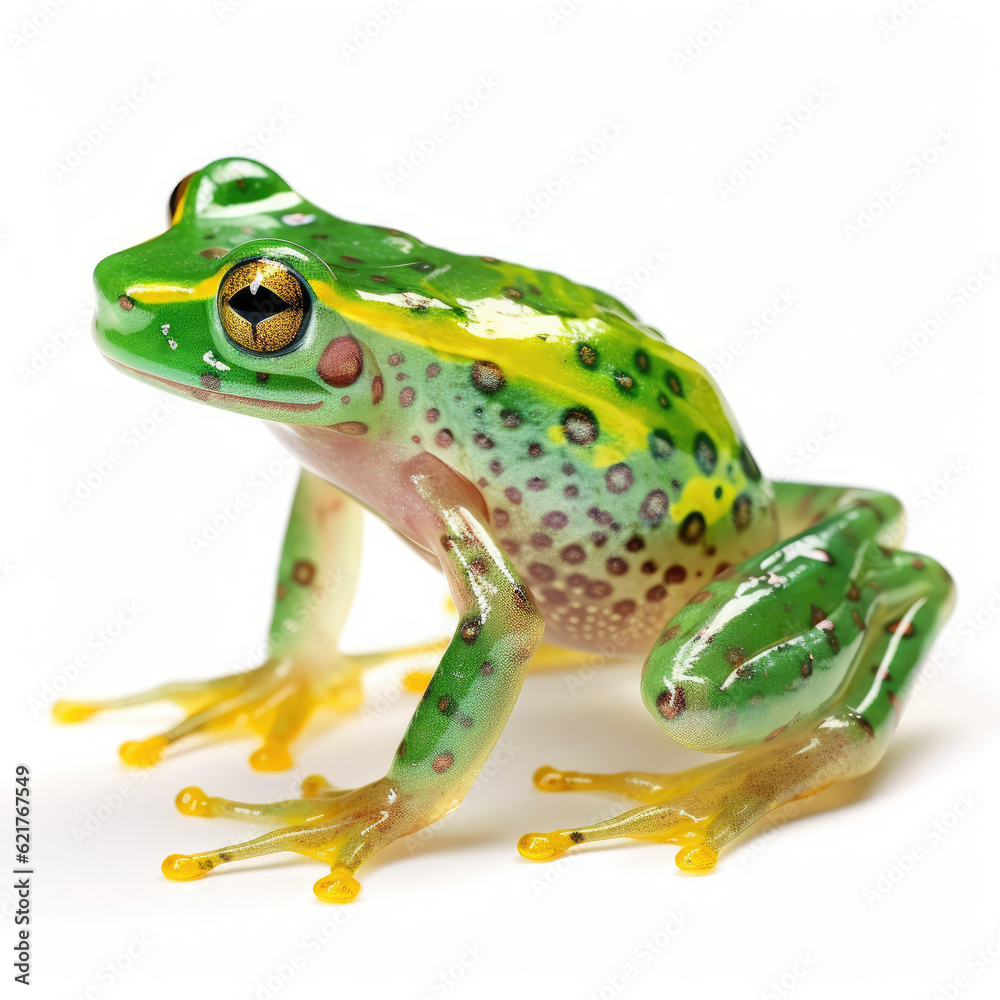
806 668
675 574
853 593
442 762
353 428
598 538
282 592
599 516
542 572
635 544
671 632
378 390
263 376
496 466
478 567
736 656
469 630
512 293
624 608
401 749
446 705
599 589
500 517
893 700
303 572
481 440
649 566
587 355
553 596
865 725
893 627
701 597
395 359
656 593
571 491
350 259
670 704
580 427
212 252
486 669
210 381
380 278
344 400
692 528
433 370
616 566
724 571
534 450
555 519
406 396
510 418
918 564
859 623
619 478
573 554
742 512
488 377
341 362
124 302
568 469
576 837
432 416
540 540
816 615
537 484
444 438
513 494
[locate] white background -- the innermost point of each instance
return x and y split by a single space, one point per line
820 906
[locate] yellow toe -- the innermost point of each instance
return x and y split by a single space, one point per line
143 753
543 846
697 859
340 887
192 801
72 711
550 779
180 868
272 756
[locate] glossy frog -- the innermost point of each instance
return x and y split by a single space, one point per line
572 474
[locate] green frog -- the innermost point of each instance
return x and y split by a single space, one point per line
573 476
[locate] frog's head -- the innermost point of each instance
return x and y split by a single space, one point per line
224 308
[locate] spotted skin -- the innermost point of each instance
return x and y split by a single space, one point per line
564 466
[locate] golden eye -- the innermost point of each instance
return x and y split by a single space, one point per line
263 305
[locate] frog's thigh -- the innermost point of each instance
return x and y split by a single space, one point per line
801 656
301 668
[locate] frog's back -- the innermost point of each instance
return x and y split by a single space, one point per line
616 478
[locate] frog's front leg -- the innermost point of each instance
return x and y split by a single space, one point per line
316 578
453 730
800 656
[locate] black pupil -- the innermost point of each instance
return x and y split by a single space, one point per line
257 306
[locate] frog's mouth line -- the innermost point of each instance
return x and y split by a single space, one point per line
211 396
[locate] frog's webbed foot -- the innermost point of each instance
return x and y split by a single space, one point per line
342 828
274 700
706 807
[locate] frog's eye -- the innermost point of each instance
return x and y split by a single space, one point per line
263 305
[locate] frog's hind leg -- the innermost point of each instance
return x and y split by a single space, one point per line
316 578
800 656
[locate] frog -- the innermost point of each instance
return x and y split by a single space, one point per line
583 487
